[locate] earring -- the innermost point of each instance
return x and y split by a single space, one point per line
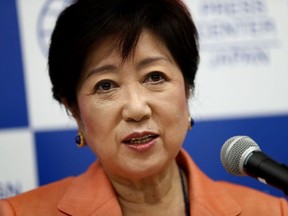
79 139
191 123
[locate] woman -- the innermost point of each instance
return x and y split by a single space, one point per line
125 70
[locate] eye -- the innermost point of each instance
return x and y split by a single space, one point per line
105 86
155 78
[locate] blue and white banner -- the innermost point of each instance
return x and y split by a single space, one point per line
244 53
241 89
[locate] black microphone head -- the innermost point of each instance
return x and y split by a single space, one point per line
234 153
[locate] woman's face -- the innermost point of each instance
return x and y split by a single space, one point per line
134 114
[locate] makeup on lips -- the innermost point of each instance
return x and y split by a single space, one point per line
140 142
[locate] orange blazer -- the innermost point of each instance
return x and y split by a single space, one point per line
92 194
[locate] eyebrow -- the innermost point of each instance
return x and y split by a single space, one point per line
100 69
139 65
151 60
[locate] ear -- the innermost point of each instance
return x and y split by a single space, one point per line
73 110
188 91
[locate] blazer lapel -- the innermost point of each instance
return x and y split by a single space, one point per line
206 196
90 194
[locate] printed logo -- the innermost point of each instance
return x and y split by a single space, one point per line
9 189
46 21
236 32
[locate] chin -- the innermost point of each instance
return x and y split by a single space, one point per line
144 169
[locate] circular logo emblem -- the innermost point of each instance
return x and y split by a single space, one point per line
46 21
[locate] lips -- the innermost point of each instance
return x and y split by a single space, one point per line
139 138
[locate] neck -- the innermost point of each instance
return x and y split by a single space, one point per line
162 191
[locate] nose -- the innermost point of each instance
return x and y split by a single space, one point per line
136 105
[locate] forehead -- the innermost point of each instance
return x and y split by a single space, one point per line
148 45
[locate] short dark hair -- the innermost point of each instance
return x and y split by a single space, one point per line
85 23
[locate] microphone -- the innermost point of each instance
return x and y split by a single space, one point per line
240 156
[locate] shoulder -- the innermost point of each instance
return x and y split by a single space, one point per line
45 198
50 191
253 201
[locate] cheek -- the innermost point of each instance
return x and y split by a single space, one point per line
98 125
92 120
174 112
180 112
95 132
181 102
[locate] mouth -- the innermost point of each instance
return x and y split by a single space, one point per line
140 140
134 139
